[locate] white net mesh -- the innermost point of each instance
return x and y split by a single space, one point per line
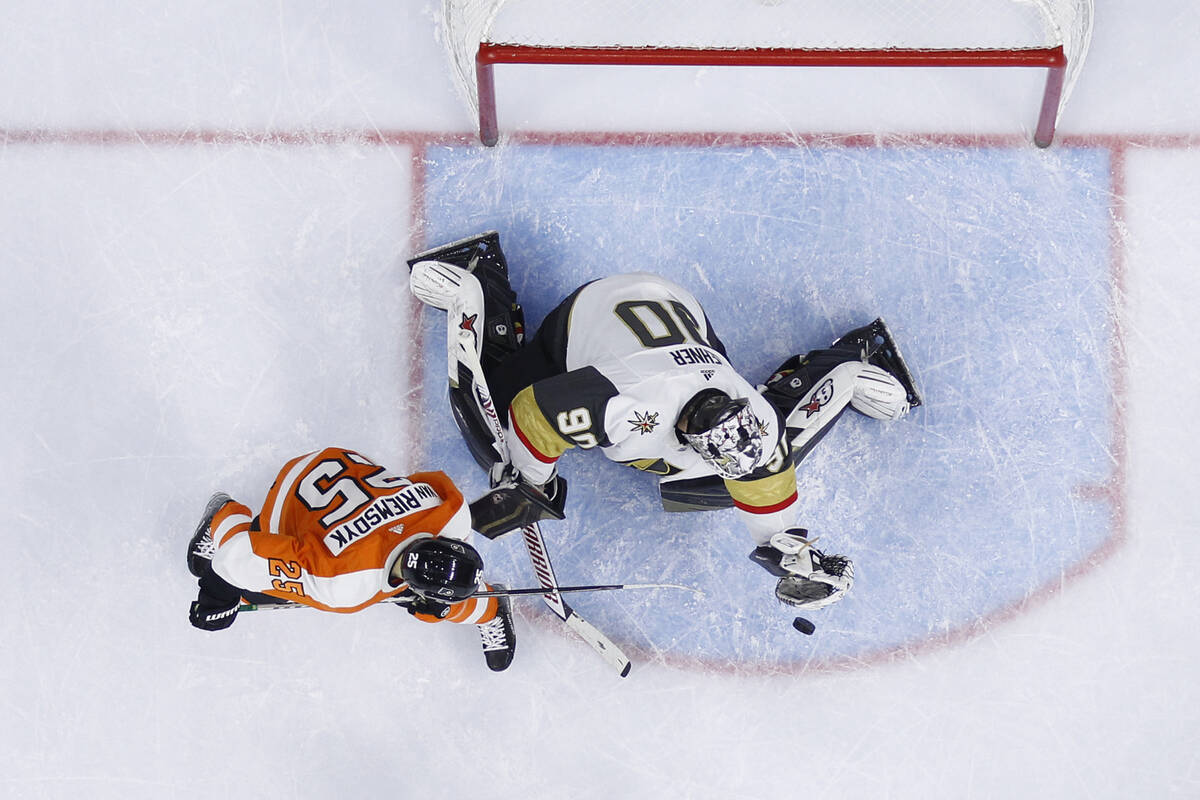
738 24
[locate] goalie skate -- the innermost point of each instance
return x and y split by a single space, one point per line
879 348
471 253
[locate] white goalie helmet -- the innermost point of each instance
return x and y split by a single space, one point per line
724 431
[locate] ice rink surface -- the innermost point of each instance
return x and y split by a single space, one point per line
788 247
206 214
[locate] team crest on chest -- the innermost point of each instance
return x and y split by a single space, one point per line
644 423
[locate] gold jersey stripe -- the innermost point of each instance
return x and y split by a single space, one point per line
533 427
764 493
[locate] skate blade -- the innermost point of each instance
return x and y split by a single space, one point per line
895 359
459 244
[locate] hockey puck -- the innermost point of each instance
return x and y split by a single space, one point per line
804 626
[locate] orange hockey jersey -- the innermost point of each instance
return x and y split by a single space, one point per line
332 527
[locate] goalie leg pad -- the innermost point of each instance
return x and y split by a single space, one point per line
473 273
879 394
821 406
474 429
503 324
472 253
435 283
792 381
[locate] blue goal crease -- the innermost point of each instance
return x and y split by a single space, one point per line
991 266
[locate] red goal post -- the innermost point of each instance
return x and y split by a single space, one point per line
1050 34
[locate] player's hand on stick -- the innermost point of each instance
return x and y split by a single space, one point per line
209 615
216 606
421 607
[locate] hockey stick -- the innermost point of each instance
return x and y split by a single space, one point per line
535 590
463 342
600 587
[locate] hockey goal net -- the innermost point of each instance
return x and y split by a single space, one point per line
1053 34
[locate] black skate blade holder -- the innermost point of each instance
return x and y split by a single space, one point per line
469 253
882 351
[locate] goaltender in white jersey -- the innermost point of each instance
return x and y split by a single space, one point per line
637 349
631 365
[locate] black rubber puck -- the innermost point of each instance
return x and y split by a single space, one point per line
804 626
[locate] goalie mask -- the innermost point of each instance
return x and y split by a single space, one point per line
441 569
724 431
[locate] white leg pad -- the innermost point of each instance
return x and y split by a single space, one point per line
821 406
464 320
878 394
435 283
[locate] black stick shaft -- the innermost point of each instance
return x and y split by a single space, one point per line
562 589
535 590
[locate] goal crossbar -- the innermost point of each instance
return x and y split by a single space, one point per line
1053 59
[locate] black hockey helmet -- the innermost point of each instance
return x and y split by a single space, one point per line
724 431
708 409
442 569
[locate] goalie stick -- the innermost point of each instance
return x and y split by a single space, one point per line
462 342
402 601
461 354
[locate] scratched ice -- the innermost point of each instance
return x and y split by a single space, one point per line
205 216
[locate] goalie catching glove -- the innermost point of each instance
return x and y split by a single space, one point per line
514 503
808 579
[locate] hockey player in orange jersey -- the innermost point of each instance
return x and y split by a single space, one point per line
339 533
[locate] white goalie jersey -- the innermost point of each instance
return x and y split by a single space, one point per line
637 347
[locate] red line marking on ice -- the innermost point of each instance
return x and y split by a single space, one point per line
1112 491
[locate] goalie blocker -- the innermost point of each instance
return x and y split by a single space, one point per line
513 503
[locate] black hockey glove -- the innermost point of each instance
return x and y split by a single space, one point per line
212 618
514 503
424 605
216 606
